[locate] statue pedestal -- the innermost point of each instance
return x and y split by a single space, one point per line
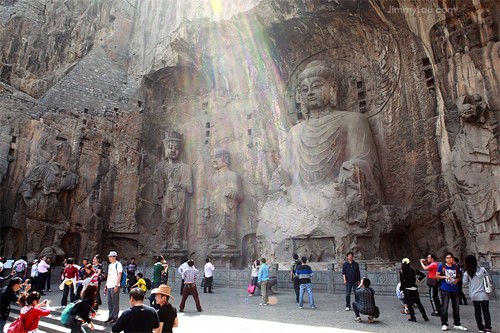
220 257
176 254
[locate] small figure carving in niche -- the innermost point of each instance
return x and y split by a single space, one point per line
225 196
476 163
439 45
472 34
172 184
328 141
490 32
457 39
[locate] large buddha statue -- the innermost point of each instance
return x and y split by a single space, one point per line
329 140
330 193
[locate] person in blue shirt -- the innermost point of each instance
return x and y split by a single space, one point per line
263 280
450 274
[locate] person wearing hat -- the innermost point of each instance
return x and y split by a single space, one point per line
167 313
408 276
112 287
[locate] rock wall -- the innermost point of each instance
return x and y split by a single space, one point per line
93 88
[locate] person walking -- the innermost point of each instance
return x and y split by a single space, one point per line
366 301
82 309
263 280
304 274
352 277
190 286
450 274
209 276
254 275
408 277
31 310
474 276
167 314
431 266
112 287
8 296
295 279
137 318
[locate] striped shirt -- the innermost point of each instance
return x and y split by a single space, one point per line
304 273
190 275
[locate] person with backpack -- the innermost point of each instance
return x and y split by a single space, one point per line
293 276
474 276
82 309
449 274
112 287
31 310
20 267
408 277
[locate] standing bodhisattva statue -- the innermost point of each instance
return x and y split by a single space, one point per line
173 183
225 196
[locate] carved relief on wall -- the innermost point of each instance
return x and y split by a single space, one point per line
224 195
173 184
476 167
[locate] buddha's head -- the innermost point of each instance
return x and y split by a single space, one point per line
220 158
317 87
172 145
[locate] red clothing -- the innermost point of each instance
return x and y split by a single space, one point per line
70 273
432 269
31 316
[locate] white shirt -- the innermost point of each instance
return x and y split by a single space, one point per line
182 268
209 269
34 270
43 267
113 274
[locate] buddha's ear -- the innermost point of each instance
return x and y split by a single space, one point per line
333 96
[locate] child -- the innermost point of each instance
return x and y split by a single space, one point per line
141 283
401 296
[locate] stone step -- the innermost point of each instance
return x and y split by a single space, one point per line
52 322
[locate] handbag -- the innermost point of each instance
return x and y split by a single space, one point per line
487 283
203 282
251 288
377 312
432 282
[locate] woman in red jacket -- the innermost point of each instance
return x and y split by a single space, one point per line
31 311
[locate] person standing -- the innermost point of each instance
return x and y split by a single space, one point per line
209 276
20 267
295 263
69 276
255 275
49 273
190 286
304 273
158 269
408 277
450 274
167 314
463 299
112 287
8 296
137 318
181 270
474 276
263 280
431 266
366 301
34 275
43 273
352 277
131 270
96 264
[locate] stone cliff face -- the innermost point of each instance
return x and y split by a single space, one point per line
91 89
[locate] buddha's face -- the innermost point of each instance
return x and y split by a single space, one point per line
218 161
172 150
315 92
469 112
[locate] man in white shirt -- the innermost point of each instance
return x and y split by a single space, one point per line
112 287
209 276
181 270
43 272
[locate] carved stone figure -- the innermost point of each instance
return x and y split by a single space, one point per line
225 195
489 28
476 163
439 45
330 176
329 140
173 184
472 34
457 39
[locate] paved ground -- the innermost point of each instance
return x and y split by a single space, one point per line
231 310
